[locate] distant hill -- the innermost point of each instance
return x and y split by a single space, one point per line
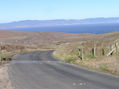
39 23
29 38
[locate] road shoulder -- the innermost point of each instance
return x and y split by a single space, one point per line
4 77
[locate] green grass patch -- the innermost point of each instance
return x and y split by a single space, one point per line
70 61
104 68
89 57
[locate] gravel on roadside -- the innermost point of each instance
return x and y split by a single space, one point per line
4 77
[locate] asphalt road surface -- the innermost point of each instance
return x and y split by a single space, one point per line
39 70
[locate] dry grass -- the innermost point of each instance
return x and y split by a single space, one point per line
69 53
104 64
66 45
13 42
37 38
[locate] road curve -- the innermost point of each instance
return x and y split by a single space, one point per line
39 70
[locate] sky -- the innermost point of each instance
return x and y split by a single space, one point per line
15 10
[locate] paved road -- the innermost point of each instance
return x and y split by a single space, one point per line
39 70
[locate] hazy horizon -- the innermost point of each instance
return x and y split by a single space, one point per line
58 19
12 10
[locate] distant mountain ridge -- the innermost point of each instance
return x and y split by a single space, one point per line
39 23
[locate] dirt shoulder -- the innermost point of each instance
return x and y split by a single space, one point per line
4 78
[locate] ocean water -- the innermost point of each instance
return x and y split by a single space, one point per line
84 28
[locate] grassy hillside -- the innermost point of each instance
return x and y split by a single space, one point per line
12 42
101 53
28 38
95 51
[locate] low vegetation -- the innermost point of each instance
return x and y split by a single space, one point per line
9 50
99 52
99 55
